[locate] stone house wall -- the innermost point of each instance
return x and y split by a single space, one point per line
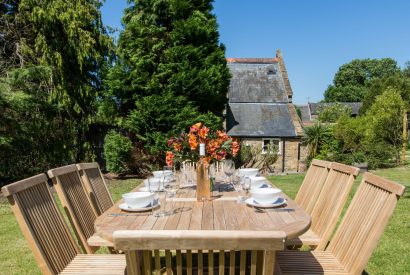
292 157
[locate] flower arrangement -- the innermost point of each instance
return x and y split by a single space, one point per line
218 145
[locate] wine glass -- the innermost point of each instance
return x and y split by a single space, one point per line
229 169
246 186
212 178
237 185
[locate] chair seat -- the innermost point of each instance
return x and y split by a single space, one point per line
308 262
308 238
86 264
96 240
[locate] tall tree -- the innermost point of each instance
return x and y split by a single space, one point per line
387 125
398 81
169 58
52 57
352 79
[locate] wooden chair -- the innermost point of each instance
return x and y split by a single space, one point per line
256 256
47 234
78 207
96 187
357 236
312 184
329 206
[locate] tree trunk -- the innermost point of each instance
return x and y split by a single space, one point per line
404 137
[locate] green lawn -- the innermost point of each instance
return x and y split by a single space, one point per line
390 257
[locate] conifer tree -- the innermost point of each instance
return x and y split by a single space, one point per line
169 53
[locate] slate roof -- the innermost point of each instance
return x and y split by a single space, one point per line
316 107
259 96
259 120
305 113
256 82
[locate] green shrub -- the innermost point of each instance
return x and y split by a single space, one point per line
117 149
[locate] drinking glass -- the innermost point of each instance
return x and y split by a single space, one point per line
237 185
212 178
170 189
246 186
229 169
152 188
162 197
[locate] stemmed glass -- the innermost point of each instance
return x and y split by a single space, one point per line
229 169
246 186
212 178
237 185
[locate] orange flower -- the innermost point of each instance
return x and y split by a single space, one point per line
235 147
169 158
195 128
177 146
212 146
203 133
193 142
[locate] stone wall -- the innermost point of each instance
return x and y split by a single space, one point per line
293 152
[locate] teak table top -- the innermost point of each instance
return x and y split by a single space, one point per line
222 213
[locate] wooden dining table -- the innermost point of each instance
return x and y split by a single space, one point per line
222 212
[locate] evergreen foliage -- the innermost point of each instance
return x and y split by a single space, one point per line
117 152
170 72
52 56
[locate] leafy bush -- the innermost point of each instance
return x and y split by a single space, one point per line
333 112
315 137
117 149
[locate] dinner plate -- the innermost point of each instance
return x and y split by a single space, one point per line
278 202
124 206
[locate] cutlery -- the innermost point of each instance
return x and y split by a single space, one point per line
124 214
264 210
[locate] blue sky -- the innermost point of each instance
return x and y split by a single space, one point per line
316 37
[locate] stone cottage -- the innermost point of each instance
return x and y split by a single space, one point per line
260 109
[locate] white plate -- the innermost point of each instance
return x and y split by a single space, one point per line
278 202
126 207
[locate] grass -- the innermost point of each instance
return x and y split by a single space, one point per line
390 257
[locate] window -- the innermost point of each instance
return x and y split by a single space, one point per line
266 142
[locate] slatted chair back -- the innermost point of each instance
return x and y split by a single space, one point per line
256 256
96 187
41 223
364 222
312 184
331 201
76 203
